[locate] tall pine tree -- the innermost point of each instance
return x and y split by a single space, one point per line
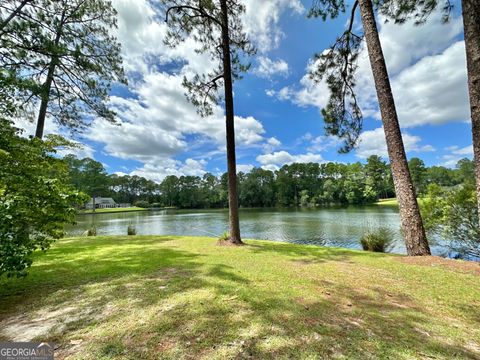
343 117
216 26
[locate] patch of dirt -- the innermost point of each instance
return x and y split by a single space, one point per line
47 323
228 243
465 267
23 328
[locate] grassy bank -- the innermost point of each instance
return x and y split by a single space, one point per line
113 210
392 201
177 298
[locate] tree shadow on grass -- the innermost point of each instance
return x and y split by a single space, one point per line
68 268
311 254
162 302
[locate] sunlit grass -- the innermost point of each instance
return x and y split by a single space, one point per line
112 210
392 201
148 297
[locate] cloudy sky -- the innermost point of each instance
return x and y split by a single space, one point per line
277 107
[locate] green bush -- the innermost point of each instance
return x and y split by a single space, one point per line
36 199
225 236
142 204
377 240
452 214
92 231
131 230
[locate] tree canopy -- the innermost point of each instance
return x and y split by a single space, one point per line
61 55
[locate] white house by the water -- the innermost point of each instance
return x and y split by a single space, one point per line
104 203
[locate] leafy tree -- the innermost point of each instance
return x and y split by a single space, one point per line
258 189
376 171
418 172
216 26
169 189
441 176
96 179
343 117
210 190
35 200
66 51
453 215
466 171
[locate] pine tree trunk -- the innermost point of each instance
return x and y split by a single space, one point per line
412 225
47 86
471 24
231 160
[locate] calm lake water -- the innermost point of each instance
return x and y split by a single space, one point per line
341 227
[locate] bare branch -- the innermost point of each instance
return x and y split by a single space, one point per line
179 8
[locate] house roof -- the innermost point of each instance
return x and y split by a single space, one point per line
100 200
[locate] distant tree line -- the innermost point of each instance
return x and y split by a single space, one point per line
297 184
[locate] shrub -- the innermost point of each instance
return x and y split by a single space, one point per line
142 204
225 236
131 230
36 199
92 231
453 215
377 240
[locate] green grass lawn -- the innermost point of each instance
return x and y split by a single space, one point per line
392 201
113 210
147 297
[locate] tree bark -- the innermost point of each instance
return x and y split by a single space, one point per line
47 86
412 225
230 118
471 25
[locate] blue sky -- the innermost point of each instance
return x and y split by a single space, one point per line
277 106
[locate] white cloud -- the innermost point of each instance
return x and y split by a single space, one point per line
261 22
405 44
277 159
456 154
467 150
245 168
434 90
155 128
271 144
158 172
372 142
310 92
268 67
320 143
81 152
427 70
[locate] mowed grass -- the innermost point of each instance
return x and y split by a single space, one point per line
394 202
150 297
112 210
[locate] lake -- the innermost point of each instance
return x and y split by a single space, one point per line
340 227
